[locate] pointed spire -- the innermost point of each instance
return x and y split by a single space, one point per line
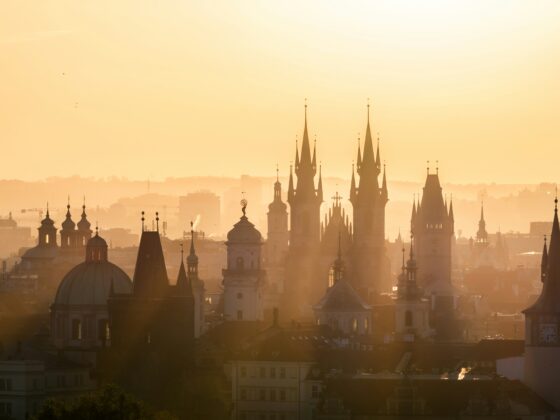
47 216
368 159
291 186
544 261
359 158
353 186
451 215
384 191
378 155
297 154
482 211
192 259
314 160
305 158
320 187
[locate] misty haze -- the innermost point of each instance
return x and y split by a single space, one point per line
279 210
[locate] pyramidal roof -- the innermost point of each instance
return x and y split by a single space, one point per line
341 297
150 275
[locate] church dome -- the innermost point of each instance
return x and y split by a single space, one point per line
84 224
90 282
68 223
244 232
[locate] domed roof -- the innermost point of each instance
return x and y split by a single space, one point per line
244 232
84 224
41 252
89 283
68 223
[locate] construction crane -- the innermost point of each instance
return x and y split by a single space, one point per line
34 210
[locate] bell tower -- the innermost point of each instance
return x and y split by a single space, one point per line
542 324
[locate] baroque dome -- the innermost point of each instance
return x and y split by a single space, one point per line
244 232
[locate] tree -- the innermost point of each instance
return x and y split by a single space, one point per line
109 403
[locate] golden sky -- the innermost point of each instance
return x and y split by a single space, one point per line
177 88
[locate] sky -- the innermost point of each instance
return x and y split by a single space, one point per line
146 89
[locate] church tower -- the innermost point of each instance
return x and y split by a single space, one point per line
197 286
278 236
481 248
243 278
432 226
303 285
542 325
47 232
84 228
411 310
276 248
68 231
370 266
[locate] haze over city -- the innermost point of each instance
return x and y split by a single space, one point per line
176 89
257 210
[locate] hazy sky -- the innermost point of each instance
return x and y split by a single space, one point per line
176 88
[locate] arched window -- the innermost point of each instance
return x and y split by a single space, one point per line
354 325
76 329
408 319
239 263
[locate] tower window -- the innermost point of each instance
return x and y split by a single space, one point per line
354 325
76 329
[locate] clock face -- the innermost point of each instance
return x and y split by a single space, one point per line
548 333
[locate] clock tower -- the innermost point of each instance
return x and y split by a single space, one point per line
542 324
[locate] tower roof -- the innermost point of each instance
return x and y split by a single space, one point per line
84 224
68 223
150 275
549 299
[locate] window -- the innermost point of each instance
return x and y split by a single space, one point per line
273 372
103 330
76 329
239 263
240 315
282 373
282 395
262 372
5 384
272 395
366 325
243 371
354 325
315 391
408 319
262 395
6 409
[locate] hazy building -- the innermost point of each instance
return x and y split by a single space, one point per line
197 286
12 236
276 248
152 328
203 207
370 265
341 308
244 277
542 324
303 283
79 313
411 310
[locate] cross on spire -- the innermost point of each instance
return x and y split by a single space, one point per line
337 198
157 221
143 219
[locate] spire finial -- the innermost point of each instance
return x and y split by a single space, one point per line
68 204
143 219
157 221
277 170
437 167
243 203
556 200
411 246
182 251
96 228
368 110
305 109
403 253
428 167
84 203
